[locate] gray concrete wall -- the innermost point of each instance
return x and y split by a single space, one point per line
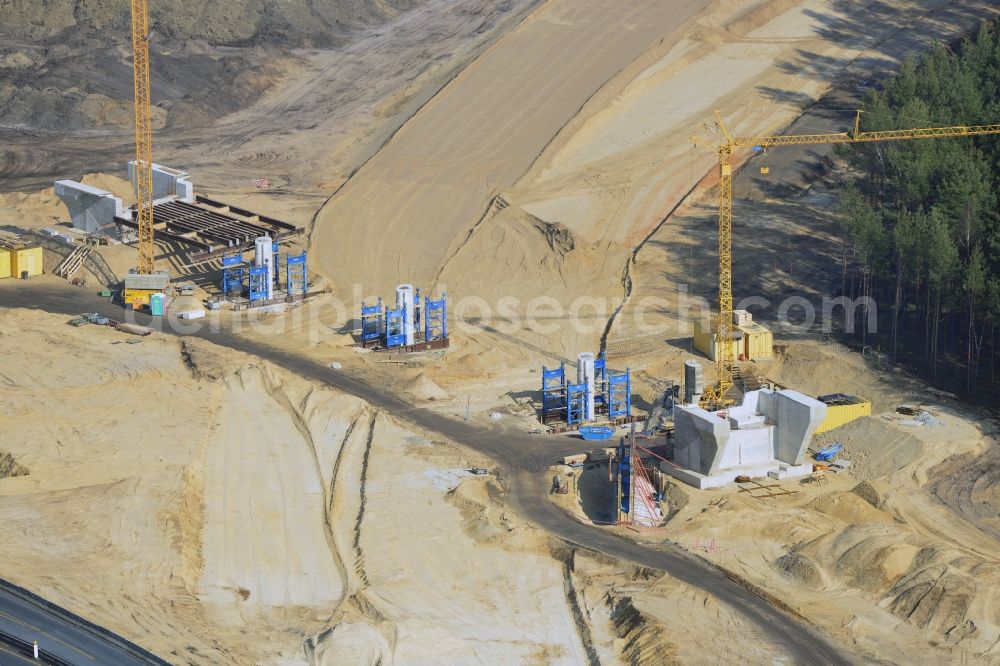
167 182
796 417
699 439
92 210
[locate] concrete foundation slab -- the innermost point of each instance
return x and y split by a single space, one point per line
728 476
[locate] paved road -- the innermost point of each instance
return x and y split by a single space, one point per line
62 637
521 457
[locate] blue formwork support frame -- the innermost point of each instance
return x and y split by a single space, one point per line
295 275
619 394
624 476
277 264
232 274
395 328
576 403
553 393
600 382
371 322
436 319
258 284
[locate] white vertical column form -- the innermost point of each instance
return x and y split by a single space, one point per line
585 375
264 256
404 302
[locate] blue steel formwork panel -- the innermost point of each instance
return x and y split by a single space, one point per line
371 322
232 274
619 394
576 403
553 393
258 284
600 382
435 319
624 476
295 275
395 328
277 264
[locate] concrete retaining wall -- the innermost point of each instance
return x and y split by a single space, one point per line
167 182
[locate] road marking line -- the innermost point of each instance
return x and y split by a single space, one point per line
71 647
20 622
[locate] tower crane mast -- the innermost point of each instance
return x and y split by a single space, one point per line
723 328
143 136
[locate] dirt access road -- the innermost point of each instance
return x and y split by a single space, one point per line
522 459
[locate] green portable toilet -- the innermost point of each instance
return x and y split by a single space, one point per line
157 303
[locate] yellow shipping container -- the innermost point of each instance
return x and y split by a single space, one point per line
758 342
754 342
842 409
26 260
4 263
705 340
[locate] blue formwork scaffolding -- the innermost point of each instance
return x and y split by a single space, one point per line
233 270
295 275
619 394
385 328
371 324
624 476
600 383
576 403
561 402
395 327
436 319
554 393
277 264
258 284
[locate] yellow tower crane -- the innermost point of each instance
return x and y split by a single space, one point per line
143 136
723 327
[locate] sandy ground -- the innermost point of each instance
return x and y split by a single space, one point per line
350 534
232 537
217 510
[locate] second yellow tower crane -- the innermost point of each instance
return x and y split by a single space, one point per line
723 326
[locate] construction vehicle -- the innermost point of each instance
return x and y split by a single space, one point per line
715 396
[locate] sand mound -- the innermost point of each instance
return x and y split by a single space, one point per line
874 492
645 640
947 594
424 388
816 369
936 599
484 519
849 508
10 467
876 447
203 361
801 569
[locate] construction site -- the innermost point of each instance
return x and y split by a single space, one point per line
467 332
